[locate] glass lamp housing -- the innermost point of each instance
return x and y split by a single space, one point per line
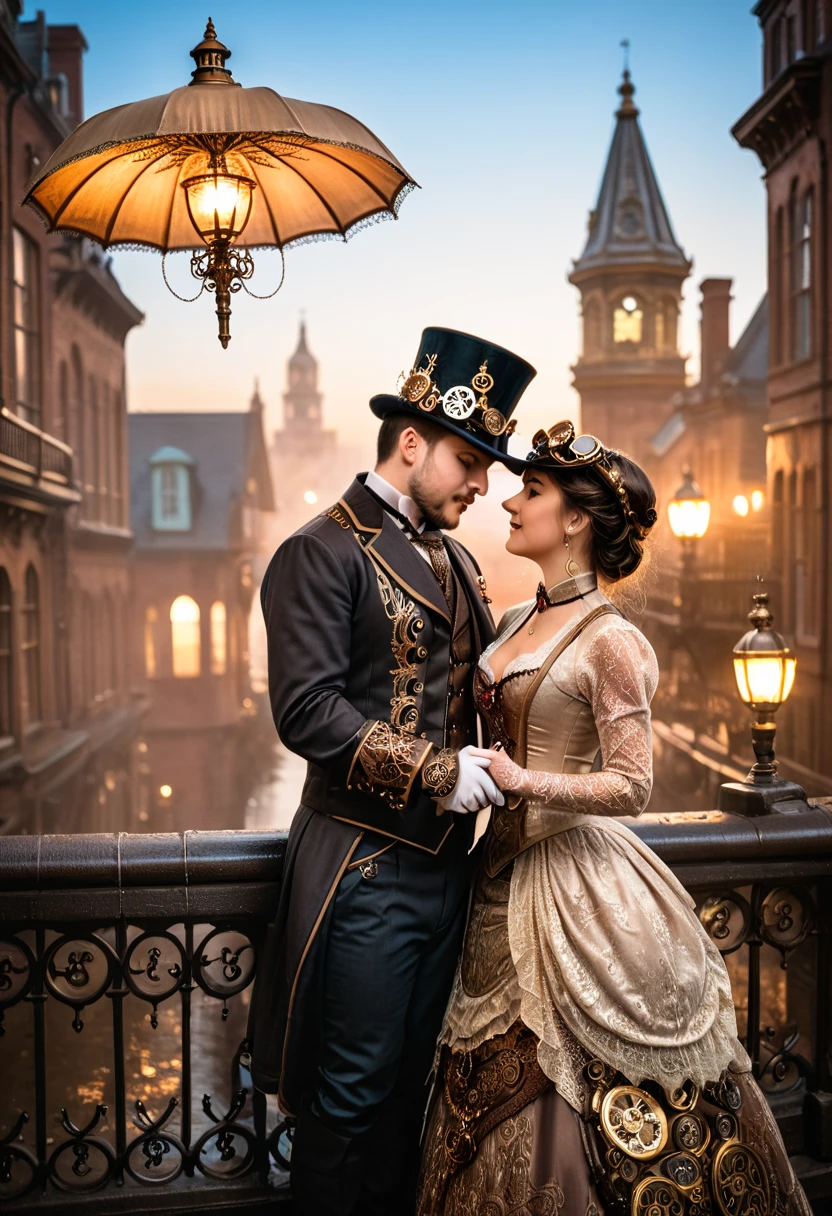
219 205
689 511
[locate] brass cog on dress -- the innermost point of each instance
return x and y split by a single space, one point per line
739 1181
658 1197
494 422
634 1122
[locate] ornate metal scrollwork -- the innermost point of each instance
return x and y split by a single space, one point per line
726 918
13 1155
786 918
222 967
84 1162
78 971
155 967
17 970
155 1145
223 1136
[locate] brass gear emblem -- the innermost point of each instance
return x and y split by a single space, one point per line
415 386
634 1122
483 382
494 422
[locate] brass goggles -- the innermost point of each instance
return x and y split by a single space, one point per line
561 444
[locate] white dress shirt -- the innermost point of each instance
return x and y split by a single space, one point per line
401 503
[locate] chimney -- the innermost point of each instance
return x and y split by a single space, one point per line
714 330
66 48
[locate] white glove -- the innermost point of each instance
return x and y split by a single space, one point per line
474 788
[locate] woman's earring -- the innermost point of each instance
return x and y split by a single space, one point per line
573 568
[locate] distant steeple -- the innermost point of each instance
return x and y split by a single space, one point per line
630 222
255 404
302 400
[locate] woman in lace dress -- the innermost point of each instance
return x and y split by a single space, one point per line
589 1060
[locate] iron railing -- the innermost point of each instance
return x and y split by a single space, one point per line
126 963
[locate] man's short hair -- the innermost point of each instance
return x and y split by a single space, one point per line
392 427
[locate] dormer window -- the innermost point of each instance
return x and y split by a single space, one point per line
171 490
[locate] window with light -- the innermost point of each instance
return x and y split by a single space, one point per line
627 320
185 639
218 639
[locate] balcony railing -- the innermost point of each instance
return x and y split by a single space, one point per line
126 964
29 456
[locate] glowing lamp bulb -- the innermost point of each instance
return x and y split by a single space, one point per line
740 504
165 791
757 500
764 667
219 205
310 497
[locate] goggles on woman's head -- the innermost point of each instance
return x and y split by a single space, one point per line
560 446
560 443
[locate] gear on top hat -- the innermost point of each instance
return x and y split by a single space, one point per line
465 384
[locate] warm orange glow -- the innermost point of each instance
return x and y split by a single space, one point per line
740 504
150 618
218 635
764 678
689 517
185 639
310 497
165 791
219 205
757 499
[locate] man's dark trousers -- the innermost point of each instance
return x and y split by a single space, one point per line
392 947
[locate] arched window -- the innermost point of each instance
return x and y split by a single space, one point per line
185 640
170 474
6 678
592 327
801 275
30 645
151 655
627 320
218 639
26 314
118 460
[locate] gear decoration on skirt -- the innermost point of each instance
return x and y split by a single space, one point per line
673 1154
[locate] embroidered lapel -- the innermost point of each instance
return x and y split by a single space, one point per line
467 572
392 550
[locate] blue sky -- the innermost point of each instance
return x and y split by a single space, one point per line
503 113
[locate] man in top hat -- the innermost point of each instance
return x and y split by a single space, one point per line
375 621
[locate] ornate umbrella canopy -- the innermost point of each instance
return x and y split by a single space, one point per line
213 165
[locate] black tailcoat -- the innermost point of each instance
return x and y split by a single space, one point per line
359 632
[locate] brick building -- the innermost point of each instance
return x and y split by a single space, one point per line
69 725
200 487
790 129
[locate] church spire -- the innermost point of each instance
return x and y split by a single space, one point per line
629 223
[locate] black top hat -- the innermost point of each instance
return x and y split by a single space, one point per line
465 384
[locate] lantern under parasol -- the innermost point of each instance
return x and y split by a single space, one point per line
216 163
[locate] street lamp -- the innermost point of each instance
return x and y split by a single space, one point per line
764 669
689 511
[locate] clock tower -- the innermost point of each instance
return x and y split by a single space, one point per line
630 277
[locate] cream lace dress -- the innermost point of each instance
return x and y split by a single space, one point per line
589 939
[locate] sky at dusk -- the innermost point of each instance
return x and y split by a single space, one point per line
503 113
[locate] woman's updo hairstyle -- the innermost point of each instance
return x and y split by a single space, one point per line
619 523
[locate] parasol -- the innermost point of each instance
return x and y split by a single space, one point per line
218 169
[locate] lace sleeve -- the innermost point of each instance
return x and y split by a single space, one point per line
617 674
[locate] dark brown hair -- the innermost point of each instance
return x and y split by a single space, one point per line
392 427
617 548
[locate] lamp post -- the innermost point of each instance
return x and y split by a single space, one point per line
764 669
688 514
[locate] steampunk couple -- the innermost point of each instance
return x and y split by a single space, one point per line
583 1049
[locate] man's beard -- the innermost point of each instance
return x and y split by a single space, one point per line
431 505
